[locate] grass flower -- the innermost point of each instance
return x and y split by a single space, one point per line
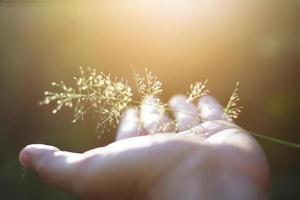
106 98
147 85
98 94
232 110
197 90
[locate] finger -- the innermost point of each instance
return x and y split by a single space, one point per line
210 108
55 167
130 125
182 107
154 117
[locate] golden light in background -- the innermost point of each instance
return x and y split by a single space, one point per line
182 11
193 38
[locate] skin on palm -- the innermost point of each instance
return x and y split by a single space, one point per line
222 162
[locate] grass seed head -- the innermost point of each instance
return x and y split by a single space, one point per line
95 93
197 90
106 98
232 110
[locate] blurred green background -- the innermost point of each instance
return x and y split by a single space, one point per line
255 42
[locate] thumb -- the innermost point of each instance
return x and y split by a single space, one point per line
55 167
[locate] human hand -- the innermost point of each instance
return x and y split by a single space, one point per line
221 162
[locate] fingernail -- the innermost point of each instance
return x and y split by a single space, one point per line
32 152
25 158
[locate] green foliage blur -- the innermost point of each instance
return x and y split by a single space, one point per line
254 42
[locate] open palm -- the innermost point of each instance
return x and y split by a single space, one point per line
214 160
